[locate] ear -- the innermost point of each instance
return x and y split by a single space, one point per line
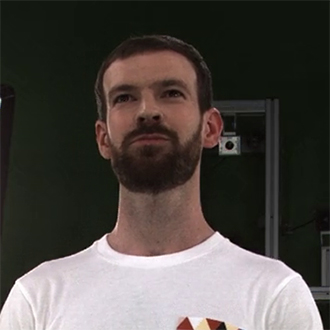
102 139
213 126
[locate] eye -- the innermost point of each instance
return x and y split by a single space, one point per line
122 98
173 93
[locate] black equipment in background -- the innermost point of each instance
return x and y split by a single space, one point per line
7 106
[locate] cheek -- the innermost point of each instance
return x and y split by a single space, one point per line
193 124
187 130
118 129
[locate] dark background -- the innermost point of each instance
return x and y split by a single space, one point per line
61 195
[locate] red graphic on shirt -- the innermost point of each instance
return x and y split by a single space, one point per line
200 323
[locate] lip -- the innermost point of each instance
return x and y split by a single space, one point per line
150 137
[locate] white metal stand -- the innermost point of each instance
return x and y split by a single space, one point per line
270 108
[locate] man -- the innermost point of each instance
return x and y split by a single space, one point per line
162 267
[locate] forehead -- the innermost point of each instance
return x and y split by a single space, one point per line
144 69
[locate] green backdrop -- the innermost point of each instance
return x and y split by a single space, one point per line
62 195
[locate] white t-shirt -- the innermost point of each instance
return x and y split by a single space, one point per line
213 285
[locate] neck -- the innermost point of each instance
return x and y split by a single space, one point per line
169 222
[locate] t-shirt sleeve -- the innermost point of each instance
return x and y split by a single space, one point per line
16 313
294 308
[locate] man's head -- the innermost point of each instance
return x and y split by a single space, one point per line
155 85
154 43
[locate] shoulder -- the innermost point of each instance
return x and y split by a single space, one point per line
57 270
257 267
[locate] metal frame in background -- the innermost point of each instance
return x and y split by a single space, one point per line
270 108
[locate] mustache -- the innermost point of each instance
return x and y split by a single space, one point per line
156 129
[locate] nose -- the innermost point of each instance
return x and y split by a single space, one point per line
149 119
149 112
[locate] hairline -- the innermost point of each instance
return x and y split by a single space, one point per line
150 51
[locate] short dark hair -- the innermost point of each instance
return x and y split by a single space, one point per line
152 43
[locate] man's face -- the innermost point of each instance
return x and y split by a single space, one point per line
153 93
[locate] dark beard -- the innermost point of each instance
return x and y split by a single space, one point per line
152 170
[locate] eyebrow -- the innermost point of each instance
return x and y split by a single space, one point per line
171 82
157 84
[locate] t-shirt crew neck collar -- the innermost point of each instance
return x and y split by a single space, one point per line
171 259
